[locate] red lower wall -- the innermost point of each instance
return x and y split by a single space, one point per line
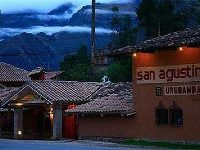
106 126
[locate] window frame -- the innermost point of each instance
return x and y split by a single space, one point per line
161 115
175 115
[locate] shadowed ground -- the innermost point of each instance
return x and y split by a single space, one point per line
63 145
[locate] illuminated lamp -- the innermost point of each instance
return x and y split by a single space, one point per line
180 48
51 113
19 104
135 54
19 132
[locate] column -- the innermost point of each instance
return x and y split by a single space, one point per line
57 122
18 122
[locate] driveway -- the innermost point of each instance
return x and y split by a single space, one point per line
64 145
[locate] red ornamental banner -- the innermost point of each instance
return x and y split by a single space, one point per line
182 90
168 74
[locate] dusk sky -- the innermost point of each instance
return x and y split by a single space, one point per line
8 6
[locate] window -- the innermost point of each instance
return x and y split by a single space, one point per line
161 114
175 115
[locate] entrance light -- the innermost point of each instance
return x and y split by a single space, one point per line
180 48
19 132
51 113
135 54
19 104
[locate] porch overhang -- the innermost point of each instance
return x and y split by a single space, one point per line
16 97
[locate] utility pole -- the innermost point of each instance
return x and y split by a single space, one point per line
0 18
159 28
93 51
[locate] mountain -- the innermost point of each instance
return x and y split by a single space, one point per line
65 8
50 36
104 14
29 51
57 17
63 16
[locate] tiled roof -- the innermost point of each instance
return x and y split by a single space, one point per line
111 104
114 98
4 110
60 91
52 75
187 37
109 98
9 73
5 92
36 71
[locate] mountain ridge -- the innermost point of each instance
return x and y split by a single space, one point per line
29 51
53 47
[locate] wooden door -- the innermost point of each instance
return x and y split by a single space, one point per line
70 125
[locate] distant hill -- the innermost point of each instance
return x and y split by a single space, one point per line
63 9
56 44
44 50
103 14
57 17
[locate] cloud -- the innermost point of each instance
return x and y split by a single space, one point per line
50 17
9 32
19 5
101 11
8 6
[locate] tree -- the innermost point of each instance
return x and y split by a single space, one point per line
123 33
192 9
159 17
120 71
77 67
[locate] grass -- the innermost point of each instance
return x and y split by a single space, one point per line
163 144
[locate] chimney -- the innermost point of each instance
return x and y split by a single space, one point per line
37 74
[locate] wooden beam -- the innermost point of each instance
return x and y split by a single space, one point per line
30 102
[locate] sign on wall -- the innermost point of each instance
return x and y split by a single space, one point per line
167 74
182 90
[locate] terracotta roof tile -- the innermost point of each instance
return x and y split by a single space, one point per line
110 98
187 37
60 91
9 73
36 71
110 104
5 92
52 75
66 91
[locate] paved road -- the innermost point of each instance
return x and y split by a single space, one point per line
63 145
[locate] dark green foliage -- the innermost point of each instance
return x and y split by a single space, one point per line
77 67
159 17
120 70
193 10
123 34
169 145
115 20
115 9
